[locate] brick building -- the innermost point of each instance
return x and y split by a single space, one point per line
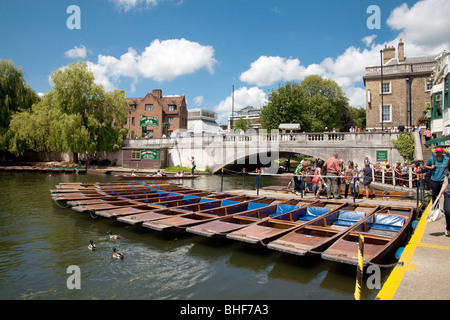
155 115
406 89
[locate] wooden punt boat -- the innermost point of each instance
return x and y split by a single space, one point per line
141 208
318 234
78 196
106 198
150 178
383 232
203 204
121 203
222 226
74 195
269 229
98 171
180 222
382 194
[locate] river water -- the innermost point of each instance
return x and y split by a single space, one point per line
39 240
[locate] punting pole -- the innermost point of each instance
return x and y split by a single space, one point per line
301 185
243 183
221 182
257 181
360 268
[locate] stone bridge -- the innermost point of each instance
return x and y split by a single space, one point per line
212 152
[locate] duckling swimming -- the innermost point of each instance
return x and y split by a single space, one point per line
91 245
117 255
112 236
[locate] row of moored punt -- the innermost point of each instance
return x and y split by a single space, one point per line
296 226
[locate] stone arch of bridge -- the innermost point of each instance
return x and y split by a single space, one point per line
269 162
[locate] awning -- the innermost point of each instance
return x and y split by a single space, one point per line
289 126
438 140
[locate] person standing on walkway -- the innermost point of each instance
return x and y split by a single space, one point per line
193 165
333 170
445 190
428 136
367 179
437 163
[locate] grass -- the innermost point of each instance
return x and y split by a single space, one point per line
180 168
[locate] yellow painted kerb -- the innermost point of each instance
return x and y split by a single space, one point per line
392 283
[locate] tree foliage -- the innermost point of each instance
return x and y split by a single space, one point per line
15 95
242 124
315 103
405 145
76 115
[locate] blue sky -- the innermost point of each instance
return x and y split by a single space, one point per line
200 48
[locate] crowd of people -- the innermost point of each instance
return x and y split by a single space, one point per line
333 177
330 177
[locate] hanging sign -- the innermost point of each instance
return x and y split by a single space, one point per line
149 154
149 122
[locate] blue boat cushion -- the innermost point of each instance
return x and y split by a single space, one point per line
256 205
202 200
314 212
388 223
229 202
174 194
283 208
189 197
347 218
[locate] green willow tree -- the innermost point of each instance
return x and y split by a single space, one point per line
315 103
15 95
76 116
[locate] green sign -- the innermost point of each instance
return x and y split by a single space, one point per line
149 122
382 155
149 154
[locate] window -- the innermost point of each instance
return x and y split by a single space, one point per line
148 107
170 121
172 107
132 107
438 105
386 87
429 85
136 155
386 115
132 121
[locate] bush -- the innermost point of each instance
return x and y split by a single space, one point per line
405 145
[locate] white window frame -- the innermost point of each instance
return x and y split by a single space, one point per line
390 87
390 114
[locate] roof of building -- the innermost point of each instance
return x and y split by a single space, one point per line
413 60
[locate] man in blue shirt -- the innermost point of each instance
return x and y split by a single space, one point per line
437 164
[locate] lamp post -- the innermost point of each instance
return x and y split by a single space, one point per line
382 102
232 106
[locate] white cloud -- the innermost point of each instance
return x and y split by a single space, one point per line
132 4
161 61
76 53
167 60
369 40
347 70
428 37
243 97
198 101
268 70
425 24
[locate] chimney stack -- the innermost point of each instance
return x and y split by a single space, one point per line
157 93
388 54
401 51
